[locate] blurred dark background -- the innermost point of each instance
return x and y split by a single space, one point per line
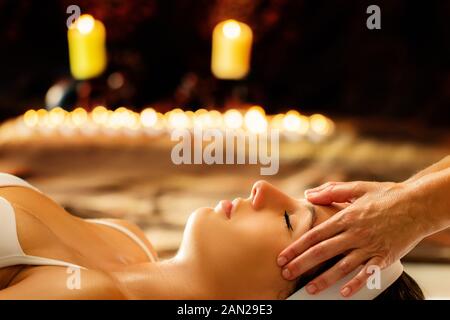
307 54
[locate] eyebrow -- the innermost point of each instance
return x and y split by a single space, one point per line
313 215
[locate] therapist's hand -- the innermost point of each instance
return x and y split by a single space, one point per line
380 225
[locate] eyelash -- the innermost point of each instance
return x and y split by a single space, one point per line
288 221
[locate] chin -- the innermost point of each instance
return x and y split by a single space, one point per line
195 224
199 215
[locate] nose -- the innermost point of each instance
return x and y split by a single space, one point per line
265 195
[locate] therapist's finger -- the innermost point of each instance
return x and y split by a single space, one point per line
322 186
319 233
360 279
317 254
343 192
346 265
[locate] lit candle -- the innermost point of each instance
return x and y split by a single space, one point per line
87 52
255 120
177 119
295 122
233 119
231 49
321 125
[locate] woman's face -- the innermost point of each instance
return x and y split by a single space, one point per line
237 243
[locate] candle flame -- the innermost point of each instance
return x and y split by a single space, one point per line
292 124
231 29
31 118
57 116
321 124
42 117
149 117
233 119
277 121
295 122
255 120
99 115
85 23
79 116
177 119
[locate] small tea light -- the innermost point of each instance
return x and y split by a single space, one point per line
31 118
295 122
177 119
79 117
57 116
255 120
321 125
233 119
100 115
293 125
148 117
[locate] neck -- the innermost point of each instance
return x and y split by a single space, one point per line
176 279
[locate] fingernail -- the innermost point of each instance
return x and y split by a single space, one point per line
309 191
286 273
281 261
346 291
311 288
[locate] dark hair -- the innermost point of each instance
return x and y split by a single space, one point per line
404 288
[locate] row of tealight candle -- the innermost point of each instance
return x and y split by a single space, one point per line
123 121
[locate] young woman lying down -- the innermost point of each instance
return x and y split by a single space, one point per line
227 252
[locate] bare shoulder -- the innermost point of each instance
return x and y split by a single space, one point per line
33 202
137 231
62 283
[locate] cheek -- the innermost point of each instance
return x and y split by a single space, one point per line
260 241
242 252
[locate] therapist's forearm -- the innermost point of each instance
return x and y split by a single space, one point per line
438 166
430 199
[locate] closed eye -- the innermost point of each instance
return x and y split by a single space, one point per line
288 221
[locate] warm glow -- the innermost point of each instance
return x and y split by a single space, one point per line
100 115
231 29
149 117
214 119
56 116
255 120
123 118
31 118
79 116
200 118
42 117
277 122
207 119
85 23
87 48
118 118
321 124
233 119
295 122
231 50
133 122
177 119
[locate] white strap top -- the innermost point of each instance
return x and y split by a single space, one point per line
11 252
